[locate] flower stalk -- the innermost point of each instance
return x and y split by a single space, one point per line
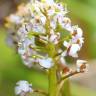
45 36
52 81
52 71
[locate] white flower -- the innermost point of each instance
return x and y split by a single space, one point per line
77 32
60 7
53 24
23 86
43 19
66 44
15 19
79 41
24 46
51 12
66 24
73 50
26 52
82 66
77 36
46 62
28 61
49 2
62 60
38 28
64 54
54 37
22 32
59 17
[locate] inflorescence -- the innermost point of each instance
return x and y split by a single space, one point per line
40 27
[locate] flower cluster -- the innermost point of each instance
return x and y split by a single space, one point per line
39 23
45 36
75 43
22 88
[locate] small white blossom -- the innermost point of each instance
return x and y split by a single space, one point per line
46 62
26 52
77 36
38 28
43 19
23 87
53 24
51 12
15 19
28 60
82 66
24 46
54 37
66 44
77 32
59 17
66 24
62 60
49 2
22 32
64 53
72 49
60 7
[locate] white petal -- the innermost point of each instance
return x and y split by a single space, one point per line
74 49
53 24
80 62
51 12
15 19
17 90
62 60
68 27
46 63
79 32
64 54
23 86
50 2
43 19
21 50
66 44
60 7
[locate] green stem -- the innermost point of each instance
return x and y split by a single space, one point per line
64 88
51 52
52 81
52 71
66 91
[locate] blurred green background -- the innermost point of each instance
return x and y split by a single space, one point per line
81 12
